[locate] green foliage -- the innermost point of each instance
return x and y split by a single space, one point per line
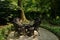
4 31
7 10
48 9
57 21
36 5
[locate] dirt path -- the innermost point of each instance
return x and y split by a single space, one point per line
47 35
44 35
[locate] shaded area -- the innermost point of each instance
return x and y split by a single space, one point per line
44 35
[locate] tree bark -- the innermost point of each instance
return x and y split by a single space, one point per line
21 12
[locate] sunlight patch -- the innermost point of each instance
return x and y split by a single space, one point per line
2 0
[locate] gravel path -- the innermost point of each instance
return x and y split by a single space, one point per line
44 35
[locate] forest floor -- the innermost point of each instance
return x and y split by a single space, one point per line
44 34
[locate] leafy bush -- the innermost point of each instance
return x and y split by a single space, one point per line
4 31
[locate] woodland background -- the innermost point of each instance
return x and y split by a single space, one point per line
49 11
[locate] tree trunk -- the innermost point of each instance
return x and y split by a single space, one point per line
21 12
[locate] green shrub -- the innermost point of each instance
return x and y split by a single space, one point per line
4 31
